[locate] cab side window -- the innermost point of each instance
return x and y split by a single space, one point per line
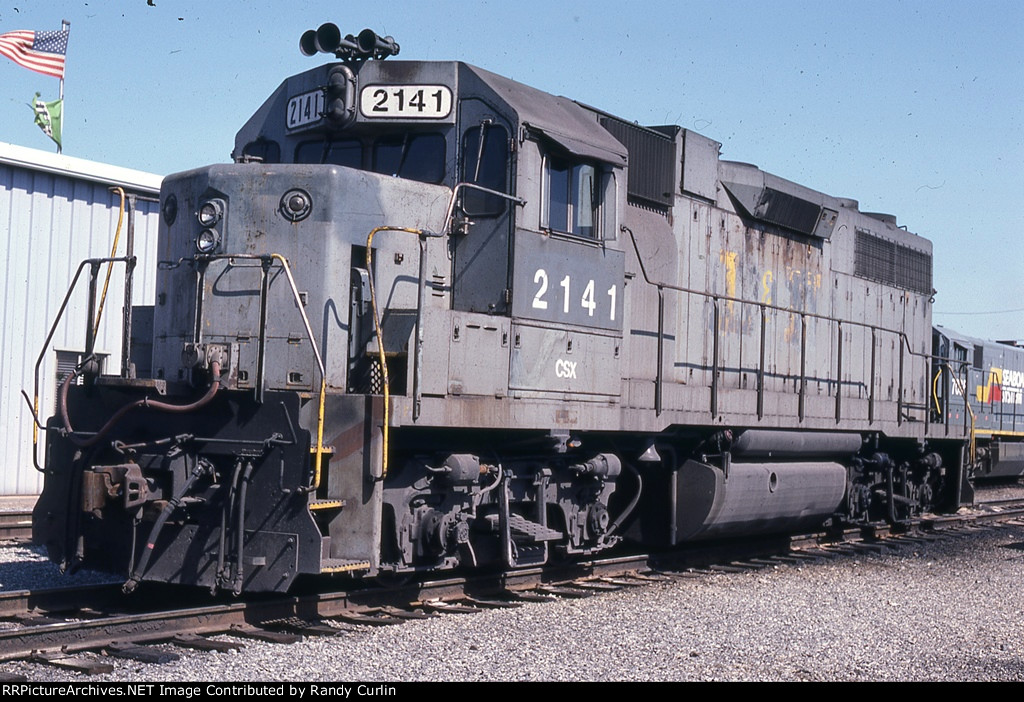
570 197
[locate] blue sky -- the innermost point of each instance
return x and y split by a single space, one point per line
914 108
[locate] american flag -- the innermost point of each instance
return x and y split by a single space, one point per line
42 52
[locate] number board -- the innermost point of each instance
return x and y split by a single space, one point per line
563 281
405 101
305 109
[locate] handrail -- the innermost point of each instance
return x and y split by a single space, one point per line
266 259
766 305
450 211
385 379
715 298
323 373
422 233
94 264
972 446
935 391
110 266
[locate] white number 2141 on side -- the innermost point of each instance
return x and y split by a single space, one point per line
565 285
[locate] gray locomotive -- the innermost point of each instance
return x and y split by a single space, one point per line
431 318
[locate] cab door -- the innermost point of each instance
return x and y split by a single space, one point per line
481 243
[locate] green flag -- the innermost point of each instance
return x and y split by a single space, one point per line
48 117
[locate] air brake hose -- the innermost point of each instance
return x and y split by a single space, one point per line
140 569
240 529
227 510
633 503
144 402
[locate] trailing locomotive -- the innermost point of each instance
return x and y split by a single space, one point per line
985 381
431 318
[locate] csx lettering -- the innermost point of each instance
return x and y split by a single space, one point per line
565 369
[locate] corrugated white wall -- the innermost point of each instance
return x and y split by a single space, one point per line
55 212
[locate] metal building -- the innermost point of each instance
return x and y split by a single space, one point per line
56 211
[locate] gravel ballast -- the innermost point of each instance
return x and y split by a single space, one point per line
947 610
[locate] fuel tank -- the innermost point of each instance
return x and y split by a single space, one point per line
755 498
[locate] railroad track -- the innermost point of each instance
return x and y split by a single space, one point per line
62 626
16 525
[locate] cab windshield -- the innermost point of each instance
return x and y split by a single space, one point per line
419 157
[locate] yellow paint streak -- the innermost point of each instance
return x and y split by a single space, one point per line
729 259
766 287
363 565
331 504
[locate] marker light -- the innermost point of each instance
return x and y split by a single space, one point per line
207 241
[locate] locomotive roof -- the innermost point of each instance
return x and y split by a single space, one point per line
965 339
560 118
573 127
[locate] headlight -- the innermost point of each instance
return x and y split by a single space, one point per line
207 241
210 213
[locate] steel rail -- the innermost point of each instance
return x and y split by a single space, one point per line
16 525
68 637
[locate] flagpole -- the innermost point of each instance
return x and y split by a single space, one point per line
64 26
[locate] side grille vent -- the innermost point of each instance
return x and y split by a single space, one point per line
652 167
891 263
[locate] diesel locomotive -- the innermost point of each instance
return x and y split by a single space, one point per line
431 318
